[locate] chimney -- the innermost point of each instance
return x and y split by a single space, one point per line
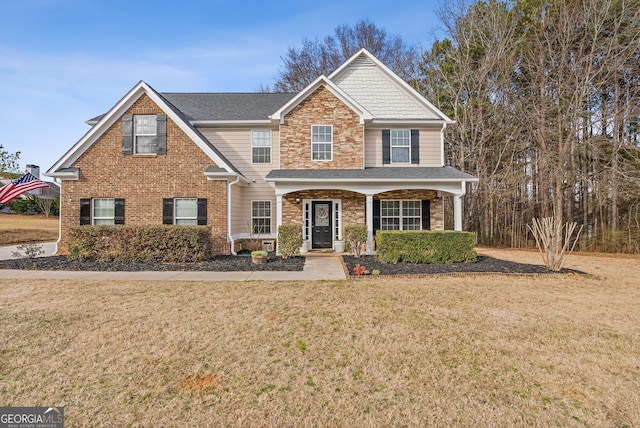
35 171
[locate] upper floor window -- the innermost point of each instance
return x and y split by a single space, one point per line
144 134
261 146
321 142
400 146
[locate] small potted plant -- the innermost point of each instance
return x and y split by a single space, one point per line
259 257
338 246
305 246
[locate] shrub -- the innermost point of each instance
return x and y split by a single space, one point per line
289 240
356 237
425 246
140 244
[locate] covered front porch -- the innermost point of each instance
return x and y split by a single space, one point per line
324 201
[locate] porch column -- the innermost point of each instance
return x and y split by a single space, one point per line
278 211
369 208
457 212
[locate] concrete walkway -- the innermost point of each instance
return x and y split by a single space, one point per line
316 268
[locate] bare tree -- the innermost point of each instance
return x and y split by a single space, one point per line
317 57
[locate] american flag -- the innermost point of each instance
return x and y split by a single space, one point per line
17 187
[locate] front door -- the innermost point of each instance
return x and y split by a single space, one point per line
321 227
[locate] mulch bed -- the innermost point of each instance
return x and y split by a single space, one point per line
217 264
483 265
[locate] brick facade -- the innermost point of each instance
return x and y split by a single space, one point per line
144 180
322 108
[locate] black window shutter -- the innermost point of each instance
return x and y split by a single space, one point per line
119 211
426 214
161 134
415 146
127 134
167 211
376 216
85 211
202 211
386 146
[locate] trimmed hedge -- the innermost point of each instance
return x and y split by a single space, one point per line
425 246
289 240
140 244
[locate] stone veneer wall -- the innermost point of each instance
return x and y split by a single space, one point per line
354 204
144 180
322 108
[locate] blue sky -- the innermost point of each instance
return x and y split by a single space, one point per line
63 61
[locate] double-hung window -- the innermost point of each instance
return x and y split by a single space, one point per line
261 217
145 133
321 142
261 146
104 211
101 211
184 211
400 146
400 215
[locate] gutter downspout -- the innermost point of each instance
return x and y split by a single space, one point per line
229 237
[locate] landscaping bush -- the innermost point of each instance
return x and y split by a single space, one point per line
289 240
140 244
425 246
356 237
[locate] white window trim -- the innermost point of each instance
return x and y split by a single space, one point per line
93 212
136 134
175 211
318 142
336 205
264 234
391 146
270 146
401 216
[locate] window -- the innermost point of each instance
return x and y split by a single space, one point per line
261 217
400 215
144 134
184 211
104 211
101 211
321 142
400 146
261 146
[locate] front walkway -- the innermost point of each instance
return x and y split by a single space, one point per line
316 268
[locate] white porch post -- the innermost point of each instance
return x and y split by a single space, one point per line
369 224
278 211
457 212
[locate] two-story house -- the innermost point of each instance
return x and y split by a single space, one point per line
359 146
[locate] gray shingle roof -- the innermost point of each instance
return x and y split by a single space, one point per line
373 174
227 106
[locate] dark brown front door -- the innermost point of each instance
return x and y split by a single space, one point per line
321 228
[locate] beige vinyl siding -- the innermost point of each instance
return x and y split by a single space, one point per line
235 145
430 151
